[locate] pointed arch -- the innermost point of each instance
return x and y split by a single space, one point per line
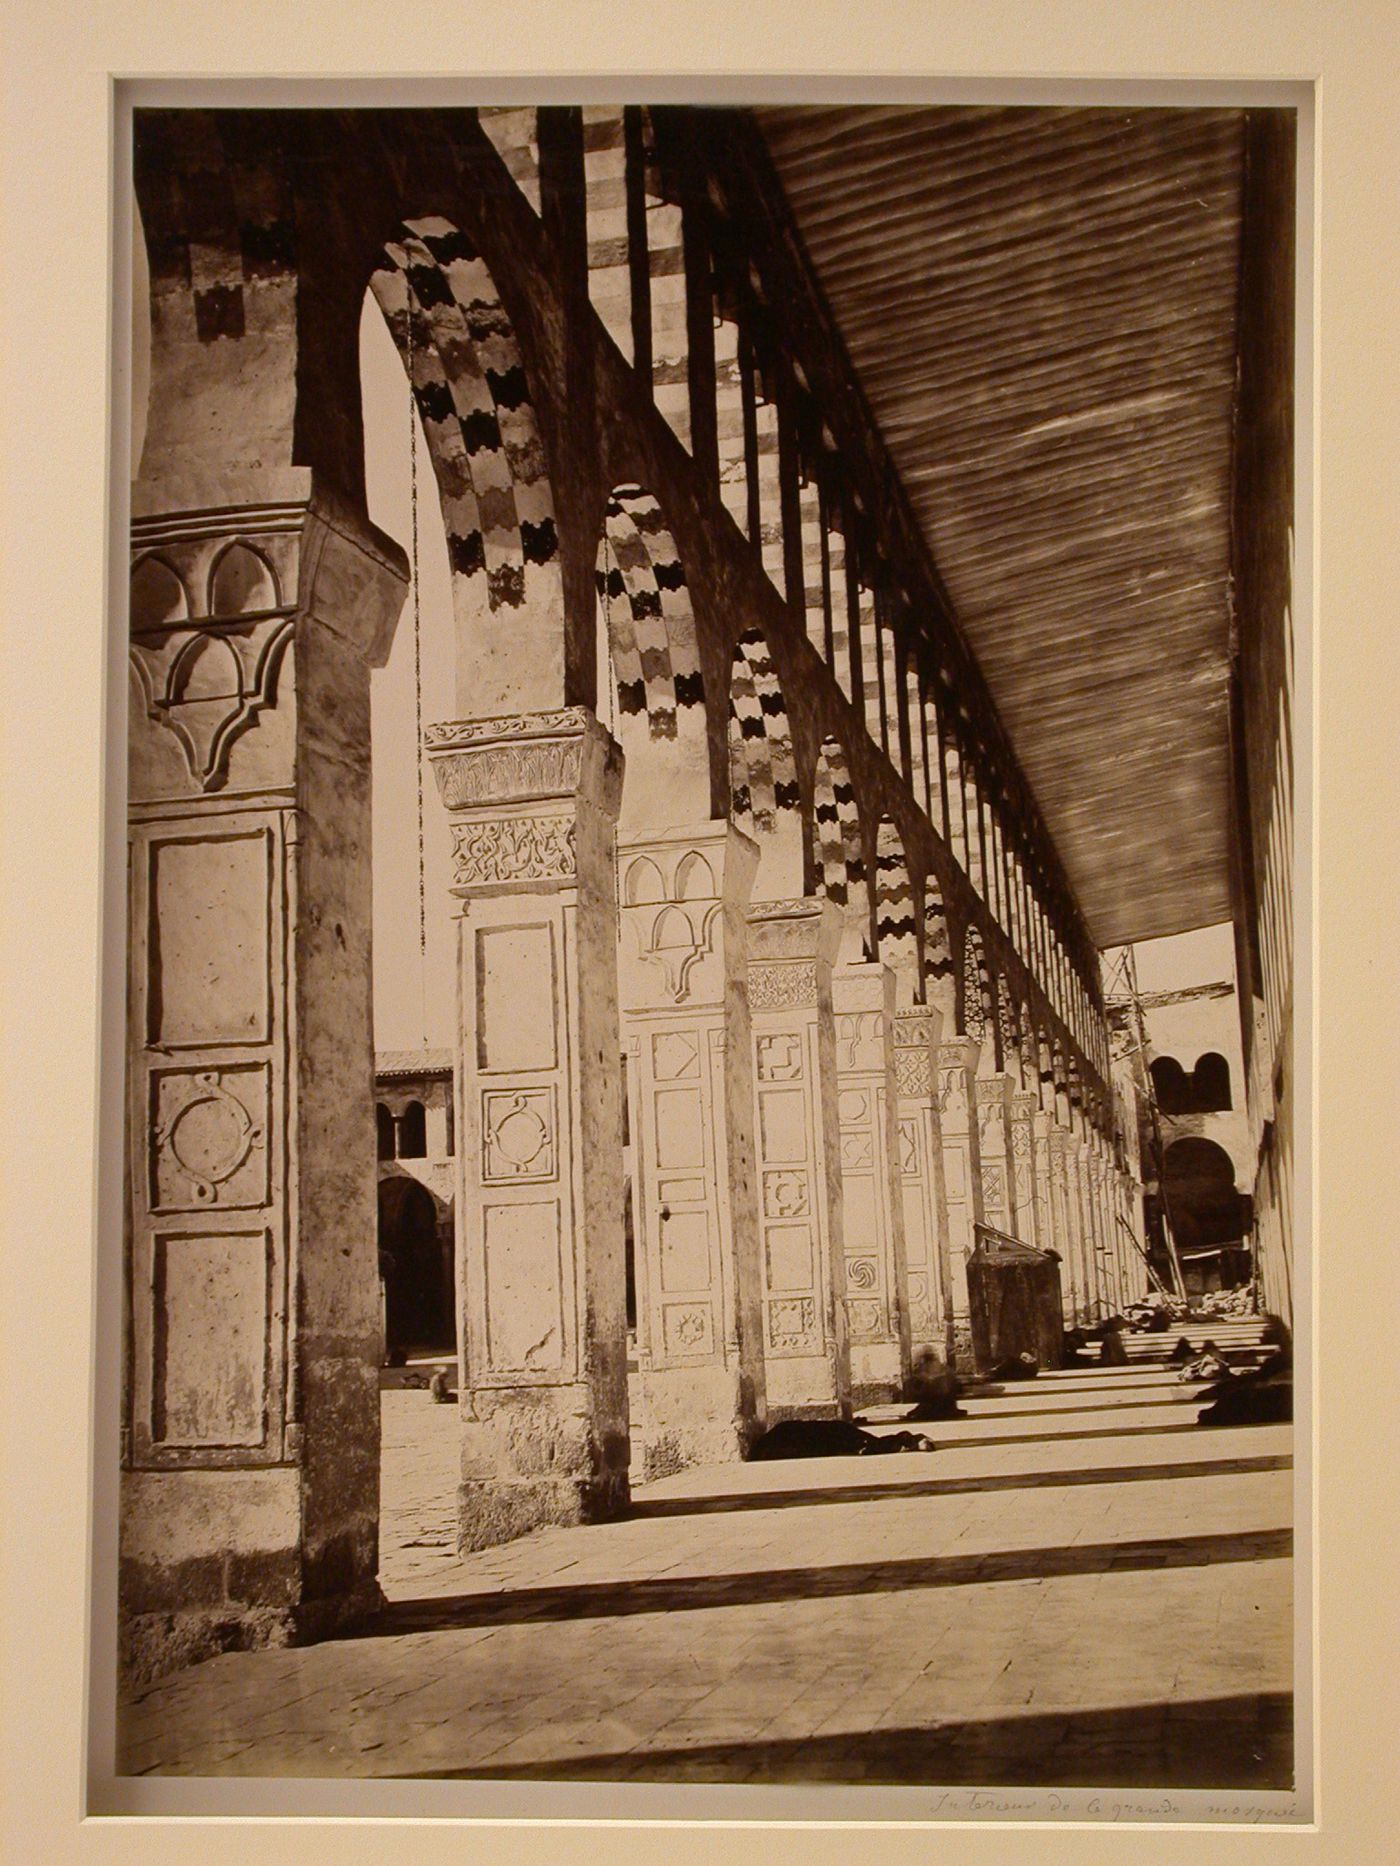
838 849
764 800
896 935
469 381
242 581
158 596
647 631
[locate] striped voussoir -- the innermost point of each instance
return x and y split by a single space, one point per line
762 768
896 934
938 954
977 992
469 382
1006 1020
1027 1048
221 228
651 627
836 834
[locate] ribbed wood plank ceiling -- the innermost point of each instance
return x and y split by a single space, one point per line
1040 307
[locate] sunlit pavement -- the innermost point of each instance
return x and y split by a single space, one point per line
1079 1586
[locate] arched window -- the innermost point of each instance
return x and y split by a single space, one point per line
1212 1080
413 1132
384 1131
1170 1084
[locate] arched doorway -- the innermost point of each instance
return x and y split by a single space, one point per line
1210 1218
416 1278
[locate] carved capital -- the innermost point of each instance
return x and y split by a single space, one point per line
526 758
794 929
218 590
959 1053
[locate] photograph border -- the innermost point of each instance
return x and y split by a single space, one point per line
75 831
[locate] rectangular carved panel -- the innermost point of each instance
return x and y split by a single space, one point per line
209 959
918 1244
209 1378
524 1285
790 1256
680 1131
782 1119
861 1221
680 1191
516 999
685 1251
955 1172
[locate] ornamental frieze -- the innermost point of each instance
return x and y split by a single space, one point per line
519 848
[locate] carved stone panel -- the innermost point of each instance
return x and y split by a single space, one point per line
792 1325
515 848
518 1135
781 986
210 942
688 1329
209 1385
209 1138
523 1287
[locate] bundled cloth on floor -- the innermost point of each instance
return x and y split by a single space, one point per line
1263 1396
1208 1364
831 1438
1021 1366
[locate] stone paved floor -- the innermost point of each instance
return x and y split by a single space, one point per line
1079 1586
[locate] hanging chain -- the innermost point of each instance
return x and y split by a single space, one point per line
611 684
417 676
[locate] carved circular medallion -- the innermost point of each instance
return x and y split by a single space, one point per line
211 1135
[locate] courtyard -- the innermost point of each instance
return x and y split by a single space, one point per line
1079 1586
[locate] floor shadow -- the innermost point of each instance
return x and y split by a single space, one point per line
875 1492
687 1593
1218 1743
1083 1402
1051 1438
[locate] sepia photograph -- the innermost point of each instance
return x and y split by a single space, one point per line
710 790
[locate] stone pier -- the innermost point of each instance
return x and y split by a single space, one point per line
994 1149
533 802
797 1141
962 1167
698 1392
875 1278
925 1207
249 1497
1030 1218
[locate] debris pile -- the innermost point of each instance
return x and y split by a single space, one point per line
1234 1304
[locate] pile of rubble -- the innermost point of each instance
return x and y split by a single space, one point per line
1235 1304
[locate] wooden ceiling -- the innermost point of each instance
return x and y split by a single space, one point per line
1040 308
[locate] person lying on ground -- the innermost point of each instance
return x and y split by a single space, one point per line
831 1438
